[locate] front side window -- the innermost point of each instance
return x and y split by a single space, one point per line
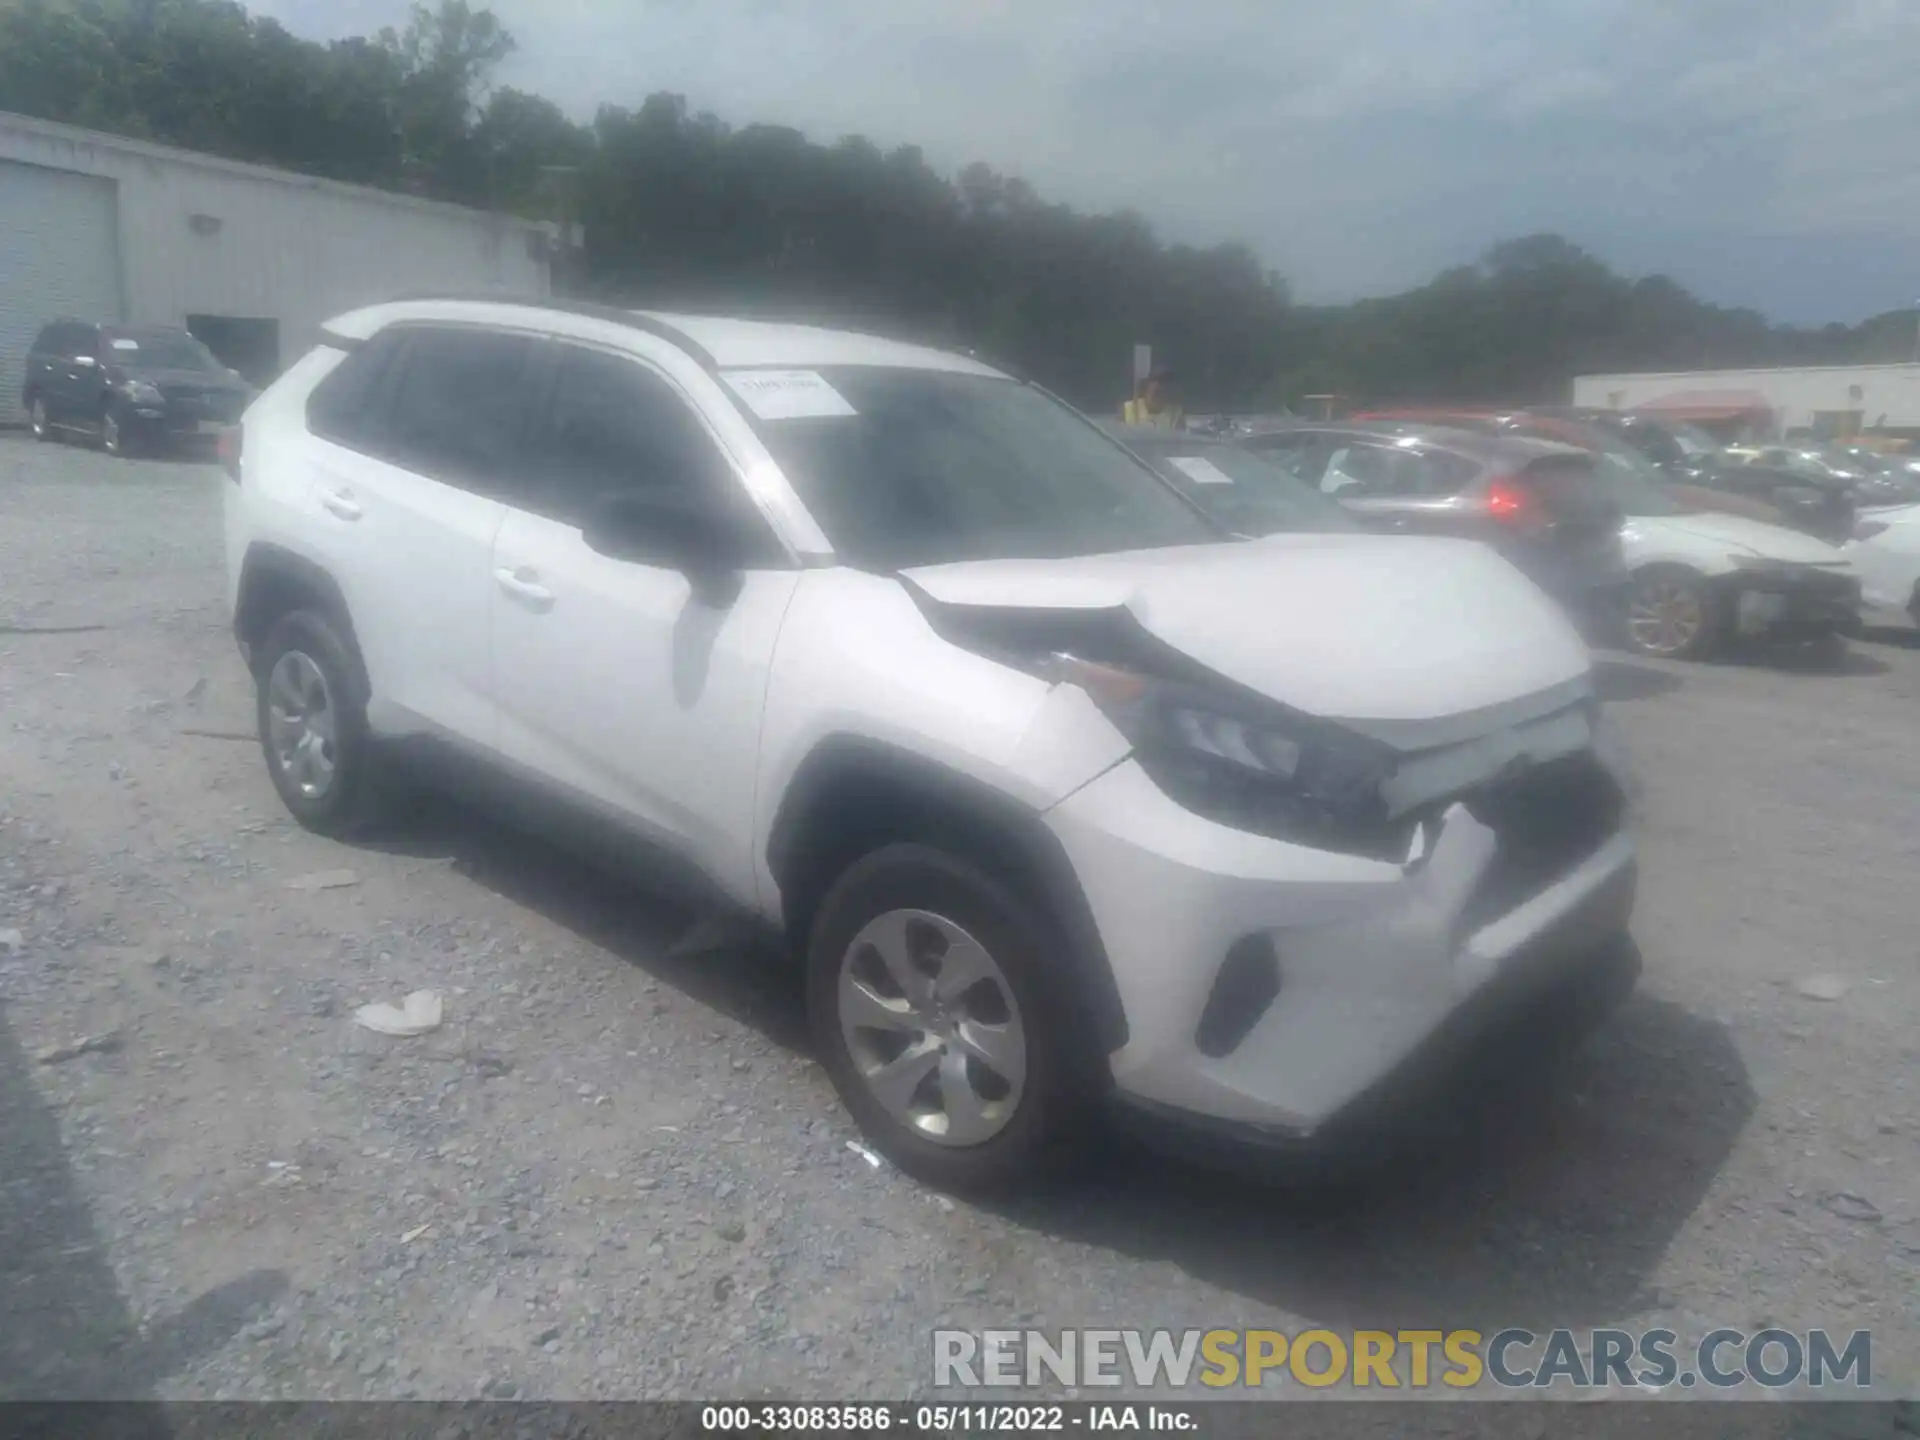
614 426
459 407
905 467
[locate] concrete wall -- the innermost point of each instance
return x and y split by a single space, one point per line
1892 391
199 235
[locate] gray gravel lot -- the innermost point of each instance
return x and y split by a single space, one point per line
614 1171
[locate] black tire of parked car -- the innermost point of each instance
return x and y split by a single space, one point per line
37 422
114 438
1043 1139
1679 586
357 797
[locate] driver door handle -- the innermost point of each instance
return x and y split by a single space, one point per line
523 586
341 503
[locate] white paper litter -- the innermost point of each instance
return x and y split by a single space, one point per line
416 1015
864 1153
787 394
1821 987
1200 470
324 880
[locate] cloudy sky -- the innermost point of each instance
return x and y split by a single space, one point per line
1765 155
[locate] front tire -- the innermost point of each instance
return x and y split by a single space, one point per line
1673 614
38 422
312 716
113 438
938 1020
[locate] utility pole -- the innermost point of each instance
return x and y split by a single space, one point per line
562 182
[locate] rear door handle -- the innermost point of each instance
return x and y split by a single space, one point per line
521 585
341 503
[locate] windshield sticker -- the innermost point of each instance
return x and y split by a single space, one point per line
124 344
787 394
1200 470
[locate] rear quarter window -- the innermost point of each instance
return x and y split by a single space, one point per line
344 407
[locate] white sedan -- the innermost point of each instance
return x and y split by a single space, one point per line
1885 553
1701 577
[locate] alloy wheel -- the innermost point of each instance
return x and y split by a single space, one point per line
1665 616
302 725
933 1028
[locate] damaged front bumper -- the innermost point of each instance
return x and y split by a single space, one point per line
1802 600
1273 991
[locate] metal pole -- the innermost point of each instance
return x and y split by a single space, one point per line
560 178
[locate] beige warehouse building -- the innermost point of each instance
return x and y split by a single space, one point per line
99 227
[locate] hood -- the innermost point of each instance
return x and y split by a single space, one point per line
196 379
1359 628
1740 534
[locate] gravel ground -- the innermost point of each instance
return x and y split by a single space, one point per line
614 1172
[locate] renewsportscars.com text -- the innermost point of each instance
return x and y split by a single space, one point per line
1403 1359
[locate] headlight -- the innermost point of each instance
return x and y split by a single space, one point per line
1237 762
141 392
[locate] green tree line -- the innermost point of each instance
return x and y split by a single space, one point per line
681 208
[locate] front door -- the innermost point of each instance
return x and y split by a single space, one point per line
612 679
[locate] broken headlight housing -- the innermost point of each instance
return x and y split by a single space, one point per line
1246 764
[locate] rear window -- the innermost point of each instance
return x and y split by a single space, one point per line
64 337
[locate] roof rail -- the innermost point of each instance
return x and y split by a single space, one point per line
613 314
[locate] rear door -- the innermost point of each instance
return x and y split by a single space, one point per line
412 505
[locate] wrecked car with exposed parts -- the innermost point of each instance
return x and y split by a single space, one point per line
1065 797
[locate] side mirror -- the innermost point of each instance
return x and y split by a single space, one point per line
705 540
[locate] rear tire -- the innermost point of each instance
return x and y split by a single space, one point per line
995 1059
1673 614
311 709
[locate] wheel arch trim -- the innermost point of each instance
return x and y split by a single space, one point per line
840 763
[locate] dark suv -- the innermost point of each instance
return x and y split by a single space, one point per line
131 387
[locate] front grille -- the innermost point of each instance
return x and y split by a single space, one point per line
1545 821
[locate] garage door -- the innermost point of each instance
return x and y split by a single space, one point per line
59 255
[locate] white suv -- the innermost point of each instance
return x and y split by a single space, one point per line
1063 796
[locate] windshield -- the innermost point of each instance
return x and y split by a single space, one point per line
1252 494
917 467
156 350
